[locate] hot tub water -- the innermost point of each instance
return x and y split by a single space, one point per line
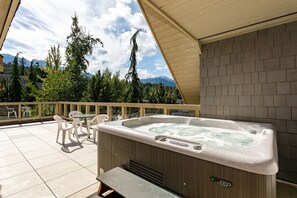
212 136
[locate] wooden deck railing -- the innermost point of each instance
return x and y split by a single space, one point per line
26 111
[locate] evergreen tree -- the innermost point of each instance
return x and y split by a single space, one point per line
118 88
4 91
153 95
79 45
171 97
94 86
105 93
105 88
32 74
16 86
31 90
134 91
161 97
23 62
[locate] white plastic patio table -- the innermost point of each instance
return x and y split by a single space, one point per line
85 116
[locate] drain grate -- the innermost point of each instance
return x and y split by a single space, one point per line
147 173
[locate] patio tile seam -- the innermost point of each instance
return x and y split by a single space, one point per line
10 155
38 156
81 189
45 142
59 150
64 153
85 167
22 125
28 189
23 190
13 164
65 174
34 169
15 175
50 164
82 164
90 170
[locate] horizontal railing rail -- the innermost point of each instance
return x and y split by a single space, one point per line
26 111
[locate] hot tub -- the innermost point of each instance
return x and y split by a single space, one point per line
194 157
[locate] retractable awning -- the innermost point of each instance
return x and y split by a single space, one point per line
180 27
8 9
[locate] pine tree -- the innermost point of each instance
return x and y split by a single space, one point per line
16 86
105 93
32 73
4 91
31 90
23 62
134 91
79 45
118 88
161 97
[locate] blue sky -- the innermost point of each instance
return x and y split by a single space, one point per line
40 24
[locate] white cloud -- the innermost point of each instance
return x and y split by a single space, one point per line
40 24
160 66
142 73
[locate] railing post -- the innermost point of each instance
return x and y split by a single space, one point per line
142 112
60 109
57 109
197 113
123 112
165 111
39 110
78 108
71 107
109 113
65 110
87 109
19 112
97 109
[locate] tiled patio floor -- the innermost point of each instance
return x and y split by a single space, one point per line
32 164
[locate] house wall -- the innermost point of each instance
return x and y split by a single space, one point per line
253 77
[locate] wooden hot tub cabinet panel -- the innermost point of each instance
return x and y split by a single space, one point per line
184 175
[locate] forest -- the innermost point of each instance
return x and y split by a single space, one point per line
71 82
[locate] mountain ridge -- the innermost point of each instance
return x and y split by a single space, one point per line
155 80
160 79
7 58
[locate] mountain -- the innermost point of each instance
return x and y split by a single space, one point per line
161 79
9 58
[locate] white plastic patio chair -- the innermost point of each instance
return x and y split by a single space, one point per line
76 121
26 111
94 123
64 127
11 111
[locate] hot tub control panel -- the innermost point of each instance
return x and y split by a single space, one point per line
175 142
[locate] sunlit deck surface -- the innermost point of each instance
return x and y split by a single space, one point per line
32 164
